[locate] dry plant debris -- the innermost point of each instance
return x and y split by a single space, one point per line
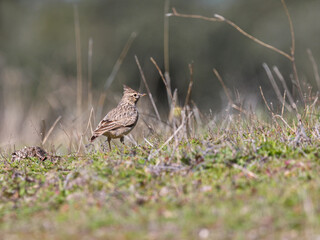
31 152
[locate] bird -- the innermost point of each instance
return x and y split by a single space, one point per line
120 120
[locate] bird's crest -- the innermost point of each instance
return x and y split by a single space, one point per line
127 89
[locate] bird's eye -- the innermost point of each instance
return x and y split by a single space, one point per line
135 95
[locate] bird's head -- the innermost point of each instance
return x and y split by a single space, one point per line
131 95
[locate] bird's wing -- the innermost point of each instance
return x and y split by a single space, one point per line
114 120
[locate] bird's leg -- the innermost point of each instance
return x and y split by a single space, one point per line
122 140
109 140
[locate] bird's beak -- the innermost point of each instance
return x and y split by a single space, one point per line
142 94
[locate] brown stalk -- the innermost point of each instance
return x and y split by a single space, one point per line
265 101
115 70
293 49
239 108
176 14
166 37
79 64
89 124
275 86
90 52
166 48
291 56
224 86
284 121
315 68
186 103
119 61
218 18
148 89
163 79
257 40
283 101
274 116
43 129
284 85
50 130
153 154
190 85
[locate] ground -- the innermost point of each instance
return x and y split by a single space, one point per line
237 179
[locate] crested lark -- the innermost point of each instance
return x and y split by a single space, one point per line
120 120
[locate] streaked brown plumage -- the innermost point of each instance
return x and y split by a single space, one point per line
120 120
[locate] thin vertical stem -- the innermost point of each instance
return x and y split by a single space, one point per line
293 44
166 36
292 50
90 52
119 61
78 54
148 89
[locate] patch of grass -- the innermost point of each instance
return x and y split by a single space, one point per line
260 182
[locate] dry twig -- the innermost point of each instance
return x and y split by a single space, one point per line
239 108
219 18
148 89
50 130
285 87
169 139
275 86
79 64
315 68
119 61
164 80
190 85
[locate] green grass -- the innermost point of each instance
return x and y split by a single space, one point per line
237 180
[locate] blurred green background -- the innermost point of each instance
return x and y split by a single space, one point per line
38 53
